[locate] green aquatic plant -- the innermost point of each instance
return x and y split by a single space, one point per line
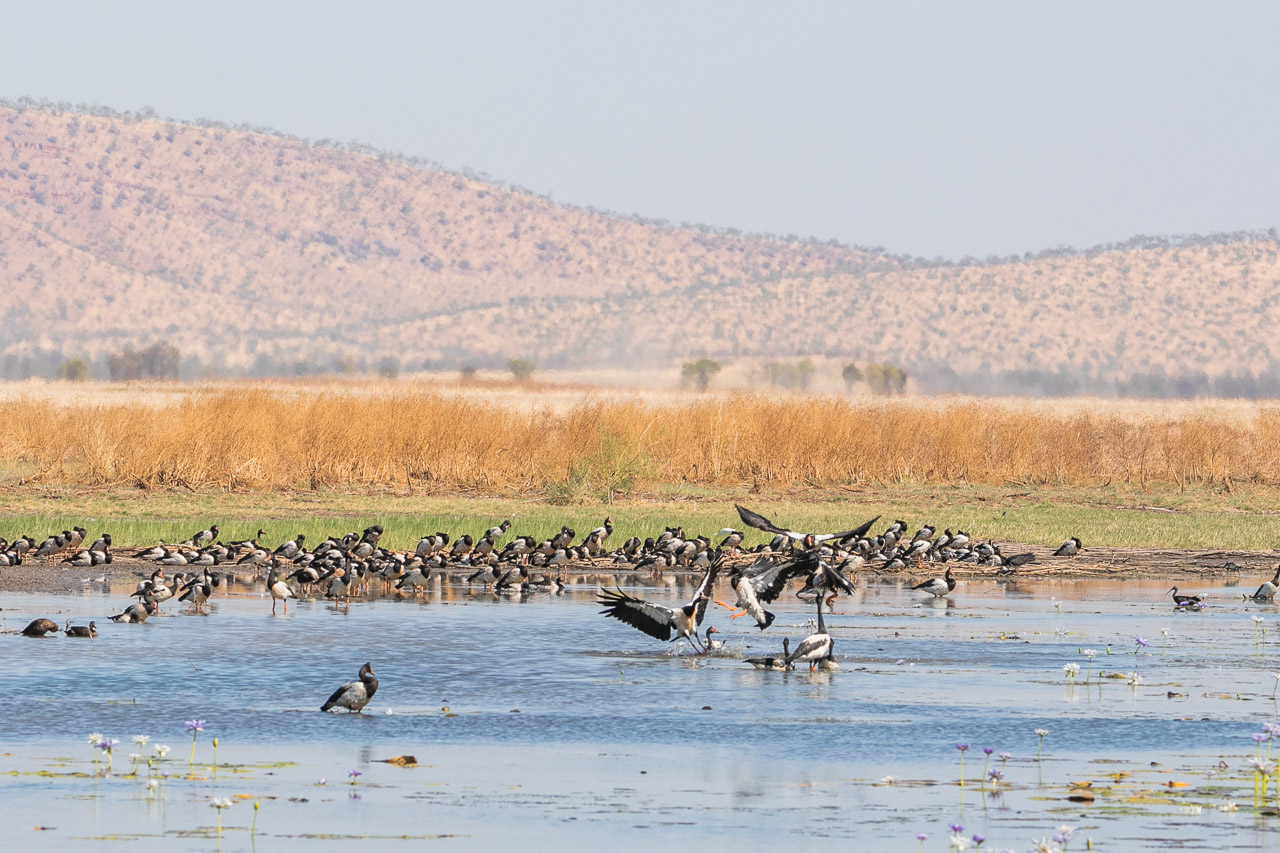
1259 630
963 747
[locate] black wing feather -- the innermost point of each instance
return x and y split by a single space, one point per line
758 521
337 694
652 619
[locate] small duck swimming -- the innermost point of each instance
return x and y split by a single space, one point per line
81 631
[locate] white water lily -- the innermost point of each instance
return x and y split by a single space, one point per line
220 803
162 750
889 780
95 738
1090 653
1071 669
1228 806
141 740
1134 679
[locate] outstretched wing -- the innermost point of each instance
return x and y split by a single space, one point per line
759 522
856 533
652 619
768 581
703 595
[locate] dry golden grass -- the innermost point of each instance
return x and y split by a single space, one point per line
282 437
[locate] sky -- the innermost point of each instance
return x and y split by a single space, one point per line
939 128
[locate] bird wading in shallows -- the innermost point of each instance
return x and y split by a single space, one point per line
659 622
354 695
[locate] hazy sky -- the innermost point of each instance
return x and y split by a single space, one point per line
929 128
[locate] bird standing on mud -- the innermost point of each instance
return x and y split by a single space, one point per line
354 695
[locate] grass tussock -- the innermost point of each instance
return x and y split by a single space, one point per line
257 439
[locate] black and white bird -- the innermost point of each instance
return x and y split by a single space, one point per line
204 537
938 586
816 647
1069 548
1267 591
496 532
754 519
288 551
354 695
1186 600
659 622
136 612
761 583
774 662
279 590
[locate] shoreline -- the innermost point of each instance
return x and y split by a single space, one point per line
1097 562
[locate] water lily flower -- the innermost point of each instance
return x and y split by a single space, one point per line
1134 679
141 740
962 746
1064 834
1090 653
959 842
1042 732
320 782
95 738
1259 737
107 744
889 780
162 750
1004 756
194 725
955 827
1071 669
1228 806
220 803
978 839
995 775
1141 642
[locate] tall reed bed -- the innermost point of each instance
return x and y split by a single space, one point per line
256 438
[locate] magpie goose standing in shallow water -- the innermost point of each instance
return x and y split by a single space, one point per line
1267 591
354 695
938 586
816 647
661 622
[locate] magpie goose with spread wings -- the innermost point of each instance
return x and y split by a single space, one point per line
659 622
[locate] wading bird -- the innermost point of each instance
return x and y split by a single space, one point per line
818 646
1186 600
938 586
1267 591
354 695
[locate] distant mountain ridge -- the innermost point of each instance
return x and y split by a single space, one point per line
256 252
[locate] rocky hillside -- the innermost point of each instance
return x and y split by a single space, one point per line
258 252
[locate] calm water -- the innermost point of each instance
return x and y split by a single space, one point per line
571 728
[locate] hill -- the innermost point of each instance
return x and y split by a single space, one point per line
256 252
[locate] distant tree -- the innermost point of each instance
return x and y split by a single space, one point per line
466 374
851 376
124 365
886 379
389 367
805 370
698 373
160 361
521 368
73 370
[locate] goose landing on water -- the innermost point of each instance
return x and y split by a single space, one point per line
662 622
354 695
